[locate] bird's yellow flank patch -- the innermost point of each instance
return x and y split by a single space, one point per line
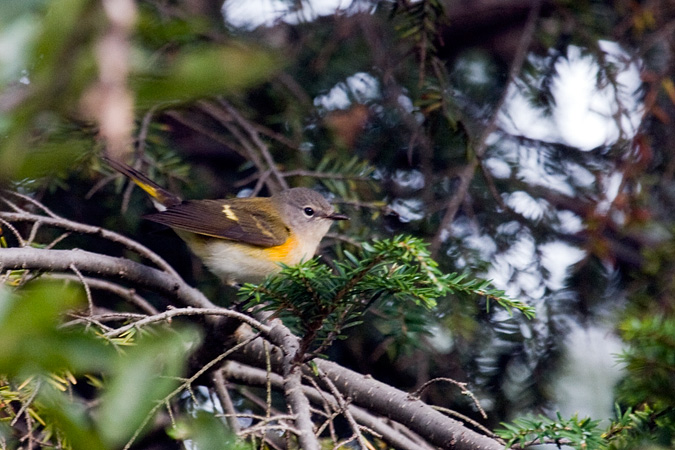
283 253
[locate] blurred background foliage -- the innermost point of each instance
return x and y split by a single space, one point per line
43 365
442 120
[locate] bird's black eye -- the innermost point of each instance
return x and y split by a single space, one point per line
309 212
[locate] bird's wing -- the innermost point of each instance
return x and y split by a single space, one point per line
241 220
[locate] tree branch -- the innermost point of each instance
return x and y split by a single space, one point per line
104 266
292 373
167 315
385 400
129 294
60 222
240 373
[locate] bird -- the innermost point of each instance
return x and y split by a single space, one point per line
242 240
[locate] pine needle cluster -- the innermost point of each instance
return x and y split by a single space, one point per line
319 302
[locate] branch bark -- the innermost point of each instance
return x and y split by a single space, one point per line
384 400
401 407
240 373
104 266
292 372
65 224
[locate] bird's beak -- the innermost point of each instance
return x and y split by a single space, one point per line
337 216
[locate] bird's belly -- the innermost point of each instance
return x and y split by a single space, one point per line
236 262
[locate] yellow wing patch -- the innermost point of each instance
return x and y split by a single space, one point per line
227 210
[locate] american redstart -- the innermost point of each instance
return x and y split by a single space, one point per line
243 239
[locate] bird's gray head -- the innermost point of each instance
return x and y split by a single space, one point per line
306 212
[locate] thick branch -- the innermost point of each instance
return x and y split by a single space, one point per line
385 400
252 376
104 266
401 407
292 372
60 222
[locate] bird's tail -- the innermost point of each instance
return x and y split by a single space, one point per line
160 195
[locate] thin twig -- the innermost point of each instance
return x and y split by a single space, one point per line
99 184
128 294
60 238
99 318
198 127
255 138
343 408
264 428
186 383
467 419
459 384
25 405
277 416
262 180
276 136
14 231
226 120
60 222
33 232
143 131
490 182
90 301
32 201
167 315
305 173
225 401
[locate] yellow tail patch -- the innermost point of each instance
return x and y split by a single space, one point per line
147 188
